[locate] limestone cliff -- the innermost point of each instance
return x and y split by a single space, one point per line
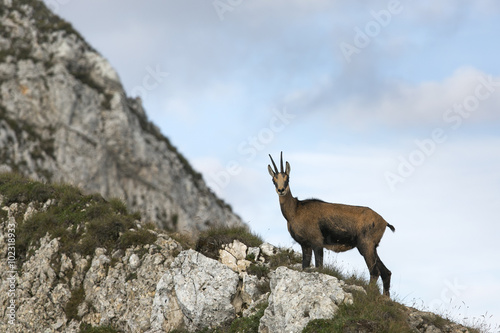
64 116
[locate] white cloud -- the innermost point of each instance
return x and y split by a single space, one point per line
470 92
468 95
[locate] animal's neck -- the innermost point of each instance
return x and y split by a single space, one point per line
288 205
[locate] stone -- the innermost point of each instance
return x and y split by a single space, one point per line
66 265
134 261
250 286
195 293
228 259
298 297
237 249
29 211
243 264
350 288
268 249
115 294
254 252
254 306
234 256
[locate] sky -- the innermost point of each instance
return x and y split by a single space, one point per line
388 104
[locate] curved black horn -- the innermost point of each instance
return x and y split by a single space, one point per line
274 164
281 163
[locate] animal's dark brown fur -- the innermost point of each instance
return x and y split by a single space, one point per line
316 224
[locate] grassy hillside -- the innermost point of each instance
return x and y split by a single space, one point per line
82 222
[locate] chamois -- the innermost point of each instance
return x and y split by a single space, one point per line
316 224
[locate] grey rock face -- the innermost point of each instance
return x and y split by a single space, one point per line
64 116
298 297
195 293
118 287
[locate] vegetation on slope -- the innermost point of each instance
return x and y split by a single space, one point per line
210 241
81 222
85 222
371 312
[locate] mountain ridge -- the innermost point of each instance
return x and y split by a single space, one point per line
64 116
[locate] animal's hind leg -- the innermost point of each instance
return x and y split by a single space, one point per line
306 256
318 256
386 276
370 256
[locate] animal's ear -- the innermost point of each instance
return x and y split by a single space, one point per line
271 172
287 170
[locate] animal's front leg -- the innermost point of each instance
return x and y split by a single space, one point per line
318 257
306 256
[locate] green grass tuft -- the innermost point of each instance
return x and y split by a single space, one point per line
134 237
258 270
16 188
284 257
86 328
370 312
210 242
71 307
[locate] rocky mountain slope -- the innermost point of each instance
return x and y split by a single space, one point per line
78 263
64 116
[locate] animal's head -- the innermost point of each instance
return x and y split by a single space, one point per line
280 179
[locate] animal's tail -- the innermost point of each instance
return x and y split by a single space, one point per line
391 227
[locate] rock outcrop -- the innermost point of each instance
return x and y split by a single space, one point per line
299 297
194 292
96 267
64 116
57 292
